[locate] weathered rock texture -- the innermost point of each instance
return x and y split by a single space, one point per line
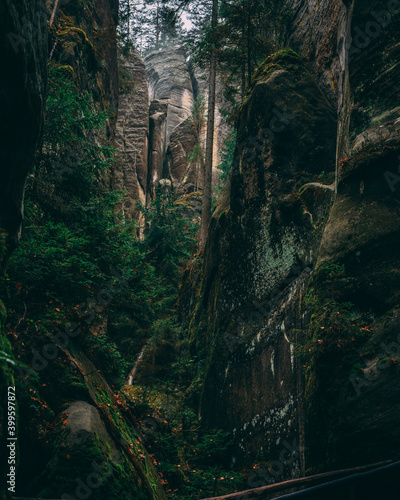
83 40
362 234
169 80
174 86
262 237
281 226
131 138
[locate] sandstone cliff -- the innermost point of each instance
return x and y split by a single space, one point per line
282 372
174 85
131 138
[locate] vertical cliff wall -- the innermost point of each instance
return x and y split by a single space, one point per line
286 240
263 236
131 138
23 59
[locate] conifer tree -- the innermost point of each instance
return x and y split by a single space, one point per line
207 188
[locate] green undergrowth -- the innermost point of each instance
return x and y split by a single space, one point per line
329 350
193 464
81 282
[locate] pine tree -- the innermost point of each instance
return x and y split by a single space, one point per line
207 187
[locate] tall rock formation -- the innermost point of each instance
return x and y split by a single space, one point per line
262 237
297 309
23 57
155 133
131 137
174 86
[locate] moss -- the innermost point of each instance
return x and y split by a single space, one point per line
95 467
142 468
280 60
285 59
330 354
88 465
68 35
67 70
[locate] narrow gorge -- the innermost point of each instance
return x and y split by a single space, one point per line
136 364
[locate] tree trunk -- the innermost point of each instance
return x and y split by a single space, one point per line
53 14
249 42
207 189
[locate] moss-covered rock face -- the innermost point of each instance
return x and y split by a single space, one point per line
351 396
280 215
86 461
264 236
351 399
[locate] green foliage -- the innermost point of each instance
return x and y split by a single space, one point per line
126 83
334 328
105 353
194 465
196 122
247 32
169 239
70 156
197 119
77 255
227 154
150 25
